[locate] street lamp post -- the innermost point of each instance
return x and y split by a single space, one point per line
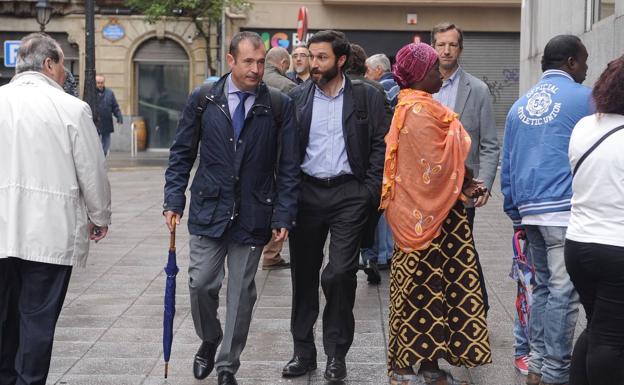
89 84
44 13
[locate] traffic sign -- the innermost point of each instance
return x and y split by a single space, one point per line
10 52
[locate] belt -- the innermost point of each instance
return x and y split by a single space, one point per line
329 182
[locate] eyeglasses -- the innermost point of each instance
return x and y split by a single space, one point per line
300 55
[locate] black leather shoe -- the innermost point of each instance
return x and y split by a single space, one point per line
336 369
227 378
372 271
204 360
298 366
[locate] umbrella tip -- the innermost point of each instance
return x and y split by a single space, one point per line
166 369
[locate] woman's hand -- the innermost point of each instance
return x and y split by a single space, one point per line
474 188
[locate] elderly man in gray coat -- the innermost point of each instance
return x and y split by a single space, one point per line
54 198
470 98
277 63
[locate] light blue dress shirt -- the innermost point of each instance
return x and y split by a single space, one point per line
448 93
233 99
326 154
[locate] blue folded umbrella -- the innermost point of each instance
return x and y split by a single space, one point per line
171 269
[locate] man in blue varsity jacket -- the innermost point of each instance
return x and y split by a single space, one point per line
536 181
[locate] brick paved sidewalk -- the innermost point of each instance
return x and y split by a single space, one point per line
110 329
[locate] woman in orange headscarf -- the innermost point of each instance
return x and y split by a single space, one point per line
436 303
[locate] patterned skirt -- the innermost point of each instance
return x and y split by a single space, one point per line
436 305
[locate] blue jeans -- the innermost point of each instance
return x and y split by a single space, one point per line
382 246
105 139
555 305
521 340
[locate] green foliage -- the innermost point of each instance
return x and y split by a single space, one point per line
204 13
209 10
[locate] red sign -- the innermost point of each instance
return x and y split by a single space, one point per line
302 24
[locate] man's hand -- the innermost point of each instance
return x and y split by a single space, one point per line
280 235
96 233
482 200
521 233
168 216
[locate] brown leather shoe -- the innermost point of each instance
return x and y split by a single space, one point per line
282 264
533 379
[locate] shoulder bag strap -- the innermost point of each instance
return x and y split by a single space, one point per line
593 147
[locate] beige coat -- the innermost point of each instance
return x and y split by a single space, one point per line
52 173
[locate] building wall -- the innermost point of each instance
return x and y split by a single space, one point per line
114 59
542 20
283 14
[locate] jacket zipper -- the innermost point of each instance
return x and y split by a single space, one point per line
231 124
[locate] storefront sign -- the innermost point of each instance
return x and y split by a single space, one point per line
113 31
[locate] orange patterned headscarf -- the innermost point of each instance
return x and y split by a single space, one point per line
424 169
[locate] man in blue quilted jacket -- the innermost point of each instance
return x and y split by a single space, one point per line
244 191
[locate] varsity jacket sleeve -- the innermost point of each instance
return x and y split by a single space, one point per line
508 202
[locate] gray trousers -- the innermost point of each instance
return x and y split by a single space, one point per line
206 273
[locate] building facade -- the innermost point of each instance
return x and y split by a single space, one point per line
491 27
599 24
149 67
153 67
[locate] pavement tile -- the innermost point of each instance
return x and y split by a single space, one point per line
121 349
109 331
78 334
106 366
89 379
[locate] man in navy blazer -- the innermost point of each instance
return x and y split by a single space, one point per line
342 125
243 189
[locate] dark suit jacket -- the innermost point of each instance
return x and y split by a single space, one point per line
364 135
235 190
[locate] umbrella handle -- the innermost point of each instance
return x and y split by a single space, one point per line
172 234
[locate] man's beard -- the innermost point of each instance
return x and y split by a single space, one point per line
301 70
326 76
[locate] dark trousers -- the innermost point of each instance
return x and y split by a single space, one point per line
342 211
32 295
470 213
597 272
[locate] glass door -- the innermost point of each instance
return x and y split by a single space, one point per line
162 94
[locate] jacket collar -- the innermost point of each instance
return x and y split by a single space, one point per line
551 73
386 76
219 90
35 77
463 90
270 68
